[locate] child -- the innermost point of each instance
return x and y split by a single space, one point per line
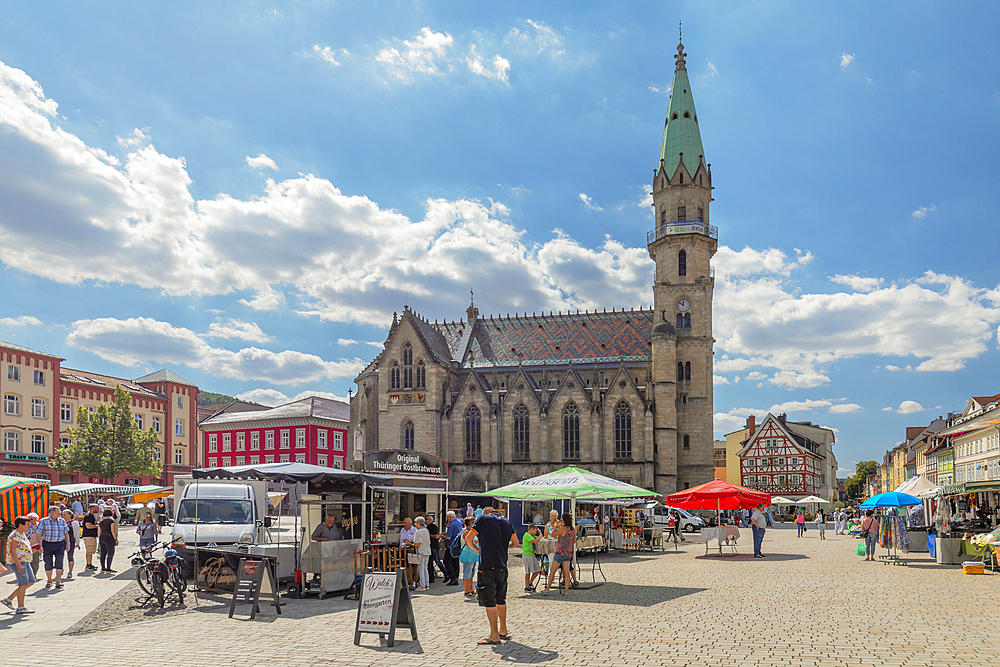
531 567
820 521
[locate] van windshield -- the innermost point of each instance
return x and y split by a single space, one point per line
215 511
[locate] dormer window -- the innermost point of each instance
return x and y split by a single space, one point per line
687 114
673 117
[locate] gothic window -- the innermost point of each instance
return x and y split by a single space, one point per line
521 433
687 320
408 435
623 431
680 324
680 366
407 366
394 376
701 212
571 432
682 178
473 434
687 442
682 263
687 370
421 380
682 213
663 217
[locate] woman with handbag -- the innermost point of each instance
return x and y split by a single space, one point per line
422 541
800 523
869 533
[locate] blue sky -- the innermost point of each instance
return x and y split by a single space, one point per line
245 192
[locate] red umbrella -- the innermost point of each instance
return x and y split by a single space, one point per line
718 496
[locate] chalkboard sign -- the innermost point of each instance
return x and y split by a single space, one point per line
254 577
383 606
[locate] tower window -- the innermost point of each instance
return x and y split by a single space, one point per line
682 178
687 114
687 320
408 435
680 324
687 370
687 442
682 263
682 213
701 212
663 217
674 117
680 365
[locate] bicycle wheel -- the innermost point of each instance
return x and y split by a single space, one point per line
158 588
143 579
178 583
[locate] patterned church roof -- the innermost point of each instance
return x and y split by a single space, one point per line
566 337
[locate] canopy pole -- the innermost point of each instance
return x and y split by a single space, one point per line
572 513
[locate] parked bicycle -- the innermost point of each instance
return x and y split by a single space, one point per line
157 578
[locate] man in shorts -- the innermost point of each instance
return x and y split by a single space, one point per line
90 522
496 535
531 566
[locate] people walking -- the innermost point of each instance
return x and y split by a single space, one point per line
35 540
19 555
55 543
800 523
452 548
108 539
74 541
469 557
869 533
90 535
161 512
435 532
147 531
422 541
495 536
758 525
820 522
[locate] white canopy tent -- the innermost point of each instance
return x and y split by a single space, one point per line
918 486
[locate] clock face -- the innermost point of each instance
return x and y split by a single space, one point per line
683 305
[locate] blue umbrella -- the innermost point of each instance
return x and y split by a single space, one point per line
890 499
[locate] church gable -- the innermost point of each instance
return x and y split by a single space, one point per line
623 387
523 388
571 387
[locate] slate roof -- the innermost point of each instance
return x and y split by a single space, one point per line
681 135
165 375
553 339
313 406
98 381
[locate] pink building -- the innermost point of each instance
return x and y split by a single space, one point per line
313 430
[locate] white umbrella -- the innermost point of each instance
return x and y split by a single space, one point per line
812 499
778 500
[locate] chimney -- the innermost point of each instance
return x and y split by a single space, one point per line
751 424
783 417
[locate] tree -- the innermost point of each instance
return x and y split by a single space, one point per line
855 484
108 442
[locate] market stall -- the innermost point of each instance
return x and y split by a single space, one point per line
892 533
571 483
719 496
19 496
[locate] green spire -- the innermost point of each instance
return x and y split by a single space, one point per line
681 133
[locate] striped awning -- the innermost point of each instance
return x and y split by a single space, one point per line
73 490
20 495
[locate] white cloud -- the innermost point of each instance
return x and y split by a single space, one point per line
232 328
326 54
755 376
344 342
846 59
844 408
719 380
19 321
923 211
909 407
133 139
498 70
888 409
797 380
537 40
266 298
589 203
424 54
274 398
798 406
890 367
142 341
712 70
261 162
858 283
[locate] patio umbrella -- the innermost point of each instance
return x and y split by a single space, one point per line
814 499
890 499
718 496
778 500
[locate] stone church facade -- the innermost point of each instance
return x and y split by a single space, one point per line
627 393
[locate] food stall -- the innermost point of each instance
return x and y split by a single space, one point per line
419 486
19 496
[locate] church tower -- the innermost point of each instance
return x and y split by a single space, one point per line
682 244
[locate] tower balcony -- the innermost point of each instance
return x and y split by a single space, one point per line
682 227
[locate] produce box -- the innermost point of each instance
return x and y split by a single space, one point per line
973 567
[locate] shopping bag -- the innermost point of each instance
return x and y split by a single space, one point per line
860 551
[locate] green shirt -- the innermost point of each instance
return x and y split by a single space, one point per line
527 548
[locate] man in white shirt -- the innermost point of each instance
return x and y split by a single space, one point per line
758 522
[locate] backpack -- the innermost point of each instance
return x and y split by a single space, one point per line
456 548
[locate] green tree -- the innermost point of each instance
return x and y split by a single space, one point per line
855 484
108 442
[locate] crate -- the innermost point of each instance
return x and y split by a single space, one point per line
973 567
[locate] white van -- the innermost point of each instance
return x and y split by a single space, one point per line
219 512
689 522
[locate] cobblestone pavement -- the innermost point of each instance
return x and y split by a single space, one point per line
808 603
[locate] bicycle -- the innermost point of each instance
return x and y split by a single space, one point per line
154 576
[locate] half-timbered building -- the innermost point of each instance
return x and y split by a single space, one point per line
780 459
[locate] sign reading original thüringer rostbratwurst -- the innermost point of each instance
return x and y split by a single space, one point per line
405 462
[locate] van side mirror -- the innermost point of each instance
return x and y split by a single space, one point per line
267 521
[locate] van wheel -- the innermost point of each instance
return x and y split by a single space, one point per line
689 528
